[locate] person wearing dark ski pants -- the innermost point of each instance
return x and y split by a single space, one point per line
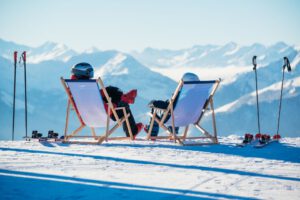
162 105
119 99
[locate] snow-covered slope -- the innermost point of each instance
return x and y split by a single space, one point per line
149 170
271 93
230 115
239 101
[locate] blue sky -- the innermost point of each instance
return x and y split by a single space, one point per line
135 24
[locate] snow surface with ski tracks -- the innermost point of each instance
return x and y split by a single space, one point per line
149 170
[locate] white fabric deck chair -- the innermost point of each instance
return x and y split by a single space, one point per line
85 98
193 99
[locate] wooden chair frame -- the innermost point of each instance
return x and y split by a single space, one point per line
108 132
181 139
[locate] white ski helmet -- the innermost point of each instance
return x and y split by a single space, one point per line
190 77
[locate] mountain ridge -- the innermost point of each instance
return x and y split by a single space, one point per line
47 99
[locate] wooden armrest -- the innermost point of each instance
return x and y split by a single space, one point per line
119 108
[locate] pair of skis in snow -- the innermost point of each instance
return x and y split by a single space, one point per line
262 140
36 136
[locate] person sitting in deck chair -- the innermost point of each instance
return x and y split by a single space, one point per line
118 98
164 104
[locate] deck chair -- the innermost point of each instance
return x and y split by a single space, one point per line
193 99
85 98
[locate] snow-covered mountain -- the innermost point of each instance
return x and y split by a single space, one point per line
234 101
46 51
235 98
244 108
47 99
213 55
239 101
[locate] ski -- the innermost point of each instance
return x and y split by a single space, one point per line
46 139
36 136
244 144
249 140
265 140
261 145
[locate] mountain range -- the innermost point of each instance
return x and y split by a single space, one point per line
234 101
213 55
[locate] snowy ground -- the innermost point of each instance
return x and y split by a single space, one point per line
149 170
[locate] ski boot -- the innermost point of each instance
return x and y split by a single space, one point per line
36 134
154 132
276 137
247 138
51 134
258 136
265 138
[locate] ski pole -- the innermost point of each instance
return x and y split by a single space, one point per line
25 81
257 104
288 66
14 98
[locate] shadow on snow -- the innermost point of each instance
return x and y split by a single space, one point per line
274 151
141 162
22 185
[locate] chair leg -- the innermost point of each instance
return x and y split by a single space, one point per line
214 120
107 125
67 119
101 139
74 133
173 125
127 123
151 125
93 133
185 132
206 133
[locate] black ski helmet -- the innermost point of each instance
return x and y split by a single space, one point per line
83 71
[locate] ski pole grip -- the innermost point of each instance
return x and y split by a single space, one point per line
254 62
24 56
15 56
287 64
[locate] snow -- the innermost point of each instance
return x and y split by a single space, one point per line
295 61
50 51
233 51
113 67
92 49
228 73
149 170
19 104
181 58
267 94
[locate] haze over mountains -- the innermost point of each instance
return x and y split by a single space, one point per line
234 101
